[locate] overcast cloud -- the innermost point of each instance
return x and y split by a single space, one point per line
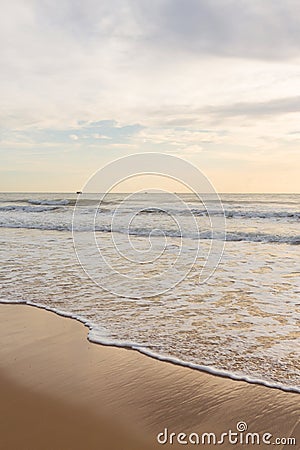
212 80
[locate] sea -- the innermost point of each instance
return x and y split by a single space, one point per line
130 267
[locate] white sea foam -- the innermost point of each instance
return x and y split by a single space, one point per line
104 340
48 202
28 209
205 235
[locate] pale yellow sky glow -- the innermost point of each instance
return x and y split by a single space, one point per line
214 82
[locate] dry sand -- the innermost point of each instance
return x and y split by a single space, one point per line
61 392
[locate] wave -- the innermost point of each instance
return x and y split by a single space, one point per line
93 336
263 237
229 214
236 236
29 209
230 236
263 214
48 202
71 202
258 202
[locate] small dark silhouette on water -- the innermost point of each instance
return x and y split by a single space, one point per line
78 192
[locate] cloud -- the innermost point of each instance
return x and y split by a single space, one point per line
105 78
84 132
122 59
228 28
255 109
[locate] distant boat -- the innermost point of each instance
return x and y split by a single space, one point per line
78 192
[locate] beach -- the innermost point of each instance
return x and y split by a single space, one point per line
149 217
59 391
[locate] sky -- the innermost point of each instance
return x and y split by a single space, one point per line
216 82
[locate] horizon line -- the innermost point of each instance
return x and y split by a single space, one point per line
130 192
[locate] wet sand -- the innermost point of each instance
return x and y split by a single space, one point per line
61 392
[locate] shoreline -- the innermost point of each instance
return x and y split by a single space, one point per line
168 359
110 395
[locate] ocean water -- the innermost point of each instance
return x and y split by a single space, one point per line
243 322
